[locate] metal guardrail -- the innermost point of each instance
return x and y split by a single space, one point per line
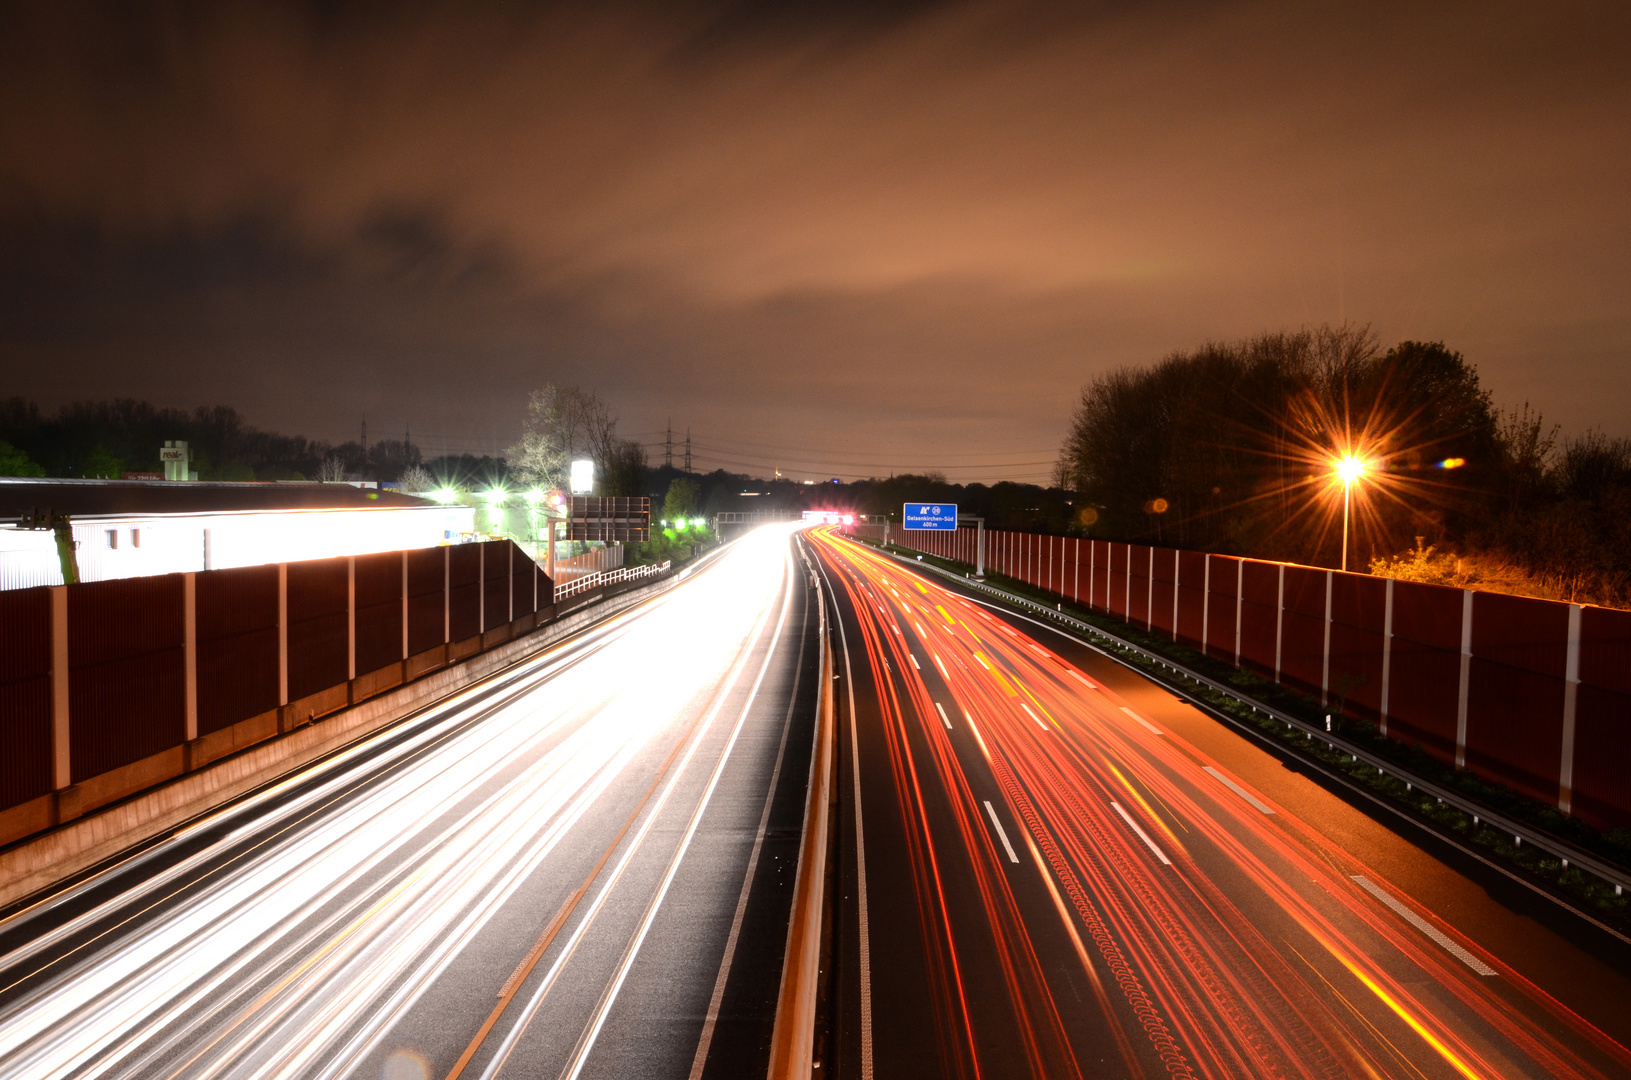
607 577
1521 833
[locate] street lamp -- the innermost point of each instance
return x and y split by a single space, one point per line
1349 470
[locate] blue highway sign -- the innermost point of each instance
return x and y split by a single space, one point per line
930 515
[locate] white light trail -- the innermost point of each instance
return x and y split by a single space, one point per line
301 957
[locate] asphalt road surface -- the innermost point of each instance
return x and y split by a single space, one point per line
582 867
1050 867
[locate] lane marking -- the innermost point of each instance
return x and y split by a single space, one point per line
1424 926
1033 716
1141 720
920 631
690 745
1001 833
941 666
1238 790
864 935
712 1018
913 658
981 659
1142 835
1079 677
942 713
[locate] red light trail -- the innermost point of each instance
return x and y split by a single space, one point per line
1221 935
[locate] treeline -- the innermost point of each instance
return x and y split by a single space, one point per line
106 439
1004 506
1231 448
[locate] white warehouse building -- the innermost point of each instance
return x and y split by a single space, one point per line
135 528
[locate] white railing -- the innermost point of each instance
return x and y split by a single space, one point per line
607 577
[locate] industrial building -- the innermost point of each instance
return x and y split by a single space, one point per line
136 528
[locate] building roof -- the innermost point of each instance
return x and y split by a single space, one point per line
136 498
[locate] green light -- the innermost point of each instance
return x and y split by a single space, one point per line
534 496
444 495
698 522
496 494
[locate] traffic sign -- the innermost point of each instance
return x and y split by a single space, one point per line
930 515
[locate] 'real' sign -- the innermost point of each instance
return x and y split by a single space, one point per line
930 515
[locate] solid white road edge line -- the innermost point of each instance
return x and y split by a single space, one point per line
587 1040
1238 790
863 935
1141 720
519 1027
712 1018
1424 926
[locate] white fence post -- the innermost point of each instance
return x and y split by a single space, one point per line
1571 692
1279 620
61 758
1466 678
283 633
1387 656
1325 665
189 651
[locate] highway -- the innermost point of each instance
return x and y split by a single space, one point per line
581 867
1051 867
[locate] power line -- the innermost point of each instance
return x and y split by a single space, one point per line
752 449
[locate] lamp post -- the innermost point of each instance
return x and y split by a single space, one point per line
1349 469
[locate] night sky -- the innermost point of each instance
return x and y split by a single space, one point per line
841 239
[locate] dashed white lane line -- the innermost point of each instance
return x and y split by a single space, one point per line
1424 926
1238 790
1033 716
1141 720
942 713
913 658
1079 677
1001 834
1142 835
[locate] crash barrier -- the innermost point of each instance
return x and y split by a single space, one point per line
111 687
608 577
1532 694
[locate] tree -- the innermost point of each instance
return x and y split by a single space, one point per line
555 431
99 464
13 462
416 478
682 499
565 423
623 471
1229 447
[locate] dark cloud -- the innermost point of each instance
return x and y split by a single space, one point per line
877 231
